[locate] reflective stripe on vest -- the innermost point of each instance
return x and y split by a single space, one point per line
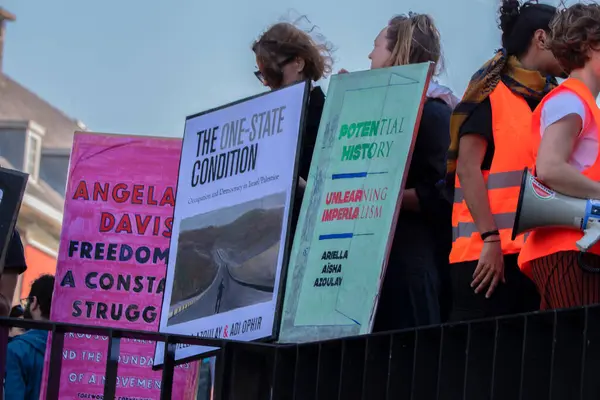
511 120
499 180
545 241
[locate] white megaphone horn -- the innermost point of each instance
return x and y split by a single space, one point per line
540 206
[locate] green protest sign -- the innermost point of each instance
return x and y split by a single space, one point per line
352 201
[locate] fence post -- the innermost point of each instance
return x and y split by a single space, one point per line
112 366
166 387
55 367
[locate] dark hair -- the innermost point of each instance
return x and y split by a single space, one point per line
283 41
574 32
413 39
42 289
16 312
520 22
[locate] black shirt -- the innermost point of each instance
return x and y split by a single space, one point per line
15 255
422 241
316 103
480 123
427 170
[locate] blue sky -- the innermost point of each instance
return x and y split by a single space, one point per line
141 66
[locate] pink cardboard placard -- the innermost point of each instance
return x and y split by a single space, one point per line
112 262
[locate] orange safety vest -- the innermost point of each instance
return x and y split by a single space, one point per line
545 241
511 126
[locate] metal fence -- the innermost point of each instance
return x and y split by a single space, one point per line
550 355
114 337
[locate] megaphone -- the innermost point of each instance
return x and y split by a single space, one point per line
540 206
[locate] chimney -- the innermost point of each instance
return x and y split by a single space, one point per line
4 16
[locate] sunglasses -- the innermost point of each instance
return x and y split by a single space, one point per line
278 74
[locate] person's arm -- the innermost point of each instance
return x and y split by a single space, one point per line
14 383
476 137
428 163
490 266
472 149
552 164
8 283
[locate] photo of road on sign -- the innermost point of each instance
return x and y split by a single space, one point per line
228 259
229 242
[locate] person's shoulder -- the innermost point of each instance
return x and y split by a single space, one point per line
32 339
562 104
317 92
478 120
434 127
17 346
436 110
317 97
435 105
484 107
565 98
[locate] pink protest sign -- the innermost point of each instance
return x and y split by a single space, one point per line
112 261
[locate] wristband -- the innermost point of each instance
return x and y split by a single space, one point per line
486 235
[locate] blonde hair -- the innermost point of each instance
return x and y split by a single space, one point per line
413 39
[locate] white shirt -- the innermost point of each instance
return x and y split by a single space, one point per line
585 150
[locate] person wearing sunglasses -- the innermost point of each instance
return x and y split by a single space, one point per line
285 54
25 353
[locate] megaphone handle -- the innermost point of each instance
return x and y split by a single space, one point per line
590 237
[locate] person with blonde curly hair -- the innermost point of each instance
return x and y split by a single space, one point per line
565 136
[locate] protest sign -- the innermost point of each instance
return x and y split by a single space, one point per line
236 182
112 259
12 189
351 202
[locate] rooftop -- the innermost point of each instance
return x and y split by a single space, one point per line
17 103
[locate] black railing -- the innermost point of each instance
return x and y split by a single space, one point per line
549 355
114 337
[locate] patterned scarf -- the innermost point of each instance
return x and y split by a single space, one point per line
526 83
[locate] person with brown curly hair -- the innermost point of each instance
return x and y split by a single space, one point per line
286 54
565 142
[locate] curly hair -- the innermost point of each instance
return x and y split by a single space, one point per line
573 33
284 40
43 289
